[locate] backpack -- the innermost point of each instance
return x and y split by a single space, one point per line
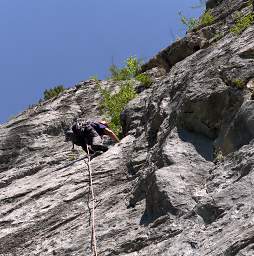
83 132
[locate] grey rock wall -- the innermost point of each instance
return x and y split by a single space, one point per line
179 183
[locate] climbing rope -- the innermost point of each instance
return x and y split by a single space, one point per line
92 210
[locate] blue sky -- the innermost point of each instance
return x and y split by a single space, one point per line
50 42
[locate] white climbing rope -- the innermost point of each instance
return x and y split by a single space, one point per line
93 235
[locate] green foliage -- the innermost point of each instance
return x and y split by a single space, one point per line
238 83
73 155
114 104
242 22
218 156
189 23
118 74
218 36
250 3
130 70
145 79
133 66
94 78
53 92
207 18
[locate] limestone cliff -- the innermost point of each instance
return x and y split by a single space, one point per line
180 183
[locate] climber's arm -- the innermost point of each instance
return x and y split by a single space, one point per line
111 134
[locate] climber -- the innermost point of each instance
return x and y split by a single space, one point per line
90 134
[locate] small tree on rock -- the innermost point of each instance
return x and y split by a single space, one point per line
53 92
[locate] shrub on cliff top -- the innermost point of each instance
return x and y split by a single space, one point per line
190 23
53 92
130 70
206 19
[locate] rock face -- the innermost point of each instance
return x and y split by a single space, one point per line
179 183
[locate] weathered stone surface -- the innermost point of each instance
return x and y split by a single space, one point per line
224 12
179 183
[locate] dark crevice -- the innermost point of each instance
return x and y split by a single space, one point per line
202 144
149 217
139 243
248 54
45 191
20 175
193 244
212 3
13 198
156 119
209 212
162 159
235 248
244 171
157 203
53 130
54 227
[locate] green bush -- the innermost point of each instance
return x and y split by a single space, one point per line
250 3
206 19
189 23
53 92
144 79
118 74
130 70
238 83
218 156
242 22
94 78
133 66
113 104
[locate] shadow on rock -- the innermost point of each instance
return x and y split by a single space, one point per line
202 144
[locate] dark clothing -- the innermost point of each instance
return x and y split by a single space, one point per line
89 133
99 128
